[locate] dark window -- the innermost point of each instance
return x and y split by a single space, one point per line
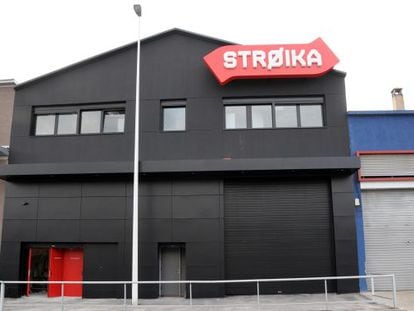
114 121
67 124
261 116
236 117
45 124
174 118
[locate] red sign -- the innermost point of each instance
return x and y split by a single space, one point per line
270 61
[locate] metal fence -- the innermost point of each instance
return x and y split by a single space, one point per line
190 284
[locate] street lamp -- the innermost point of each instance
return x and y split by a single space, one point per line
134 287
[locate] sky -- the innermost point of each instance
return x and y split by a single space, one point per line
373 39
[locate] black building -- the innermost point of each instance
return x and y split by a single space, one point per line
247 180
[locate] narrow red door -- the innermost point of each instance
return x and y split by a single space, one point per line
73 271
55 271
29 268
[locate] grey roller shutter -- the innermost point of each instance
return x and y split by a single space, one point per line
278 229
389 236
387 165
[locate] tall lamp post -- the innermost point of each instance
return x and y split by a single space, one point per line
134 294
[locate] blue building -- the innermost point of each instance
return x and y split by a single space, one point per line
384 192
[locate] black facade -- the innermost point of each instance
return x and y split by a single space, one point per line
245 203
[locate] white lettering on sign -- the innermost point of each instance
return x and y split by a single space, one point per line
272 59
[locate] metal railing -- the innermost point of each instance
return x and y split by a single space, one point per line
192 282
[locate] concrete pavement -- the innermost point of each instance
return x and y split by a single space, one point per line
311 302
405 299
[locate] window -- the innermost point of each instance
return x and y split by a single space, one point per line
45 124
114 121
274 113
63 120
286 116
311 116
174 118
91 122
236 117
67 124
261 116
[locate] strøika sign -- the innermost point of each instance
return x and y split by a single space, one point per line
232 62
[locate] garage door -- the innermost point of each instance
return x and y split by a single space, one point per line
278 229
389 236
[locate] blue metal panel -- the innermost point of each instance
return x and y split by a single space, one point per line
393 130
376 130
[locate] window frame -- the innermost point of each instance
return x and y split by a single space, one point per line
247 115
35 124
78 109
168 104
57 123
274 102
103 120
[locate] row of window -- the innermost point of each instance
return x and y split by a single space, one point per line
91 122
239 114
269 116
254 116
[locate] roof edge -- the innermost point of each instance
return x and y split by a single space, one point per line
379 112
7 82
120 48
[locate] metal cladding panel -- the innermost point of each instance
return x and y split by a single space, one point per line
387 165
278 229
389 236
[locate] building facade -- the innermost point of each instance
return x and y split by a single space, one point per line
248 180
385 190
6 112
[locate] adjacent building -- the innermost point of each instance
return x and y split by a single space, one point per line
6 112
248 180
384 190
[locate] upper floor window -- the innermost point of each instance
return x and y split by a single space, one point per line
45 124
64 120
91 122
236 117
56 124
274 113
173 114
67 123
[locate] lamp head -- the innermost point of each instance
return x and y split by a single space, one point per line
137 9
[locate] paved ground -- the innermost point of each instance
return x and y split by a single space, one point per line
348 302
405 299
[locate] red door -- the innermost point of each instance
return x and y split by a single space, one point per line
29 268
55 271
73 271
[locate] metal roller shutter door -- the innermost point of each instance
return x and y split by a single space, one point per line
278 229
389 236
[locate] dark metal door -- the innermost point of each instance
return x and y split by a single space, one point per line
171 269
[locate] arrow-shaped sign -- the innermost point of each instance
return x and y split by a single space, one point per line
270 61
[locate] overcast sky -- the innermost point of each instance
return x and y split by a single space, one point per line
373 39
